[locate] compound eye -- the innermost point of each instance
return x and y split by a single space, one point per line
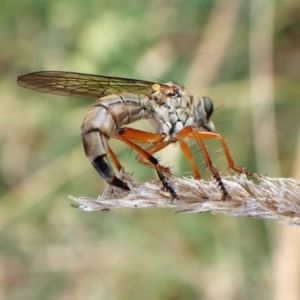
208 106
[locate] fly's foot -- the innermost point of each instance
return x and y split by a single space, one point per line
241 171
225 193
168 188
222 187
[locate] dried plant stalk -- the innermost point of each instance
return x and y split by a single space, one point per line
265 198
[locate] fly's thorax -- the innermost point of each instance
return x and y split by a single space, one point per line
160 119
181 111
111 112
171 116
168 93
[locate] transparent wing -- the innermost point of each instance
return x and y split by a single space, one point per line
81 85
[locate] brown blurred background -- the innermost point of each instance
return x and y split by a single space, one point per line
245 55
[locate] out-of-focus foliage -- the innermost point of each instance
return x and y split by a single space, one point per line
49 250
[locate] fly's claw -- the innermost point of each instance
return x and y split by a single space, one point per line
241 171
247 173
222 187
168 188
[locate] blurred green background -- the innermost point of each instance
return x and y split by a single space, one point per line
245 55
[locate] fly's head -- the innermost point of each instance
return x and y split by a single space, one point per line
202 114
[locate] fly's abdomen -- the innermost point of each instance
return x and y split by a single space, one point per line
99 119
106 116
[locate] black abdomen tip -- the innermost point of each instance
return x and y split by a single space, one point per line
119 183
103 167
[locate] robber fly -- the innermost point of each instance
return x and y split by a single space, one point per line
174 113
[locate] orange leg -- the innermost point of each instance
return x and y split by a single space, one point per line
139 136
187 153
121 135
114 159
151 150
159 146
192 132
213 135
